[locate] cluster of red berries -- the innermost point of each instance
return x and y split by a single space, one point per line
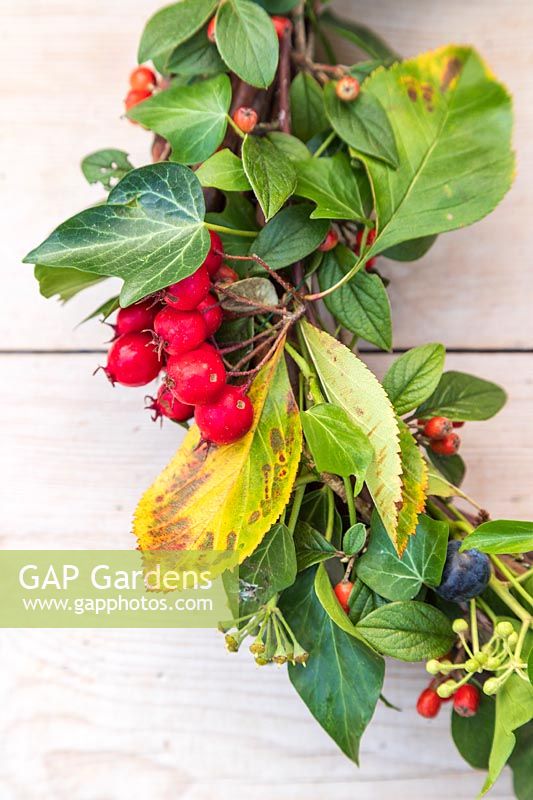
465 701
171 332
442 438
143 81
332 240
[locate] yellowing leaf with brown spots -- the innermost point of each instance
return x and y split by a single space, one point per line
349 384
414 486
227 499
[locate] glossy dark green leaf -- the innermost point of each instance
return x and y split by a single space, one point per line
409 631
197 56
520 762
311 546
452 467
239 214
270 569
223 170
473 735
342 680
290 236
106 167
192 118
64 281
315 509
413 377
270 172
359 35
337 444
173 25
339 191
501 536
411 250
354 539
150 233
247 41
460 396
307 107
277 6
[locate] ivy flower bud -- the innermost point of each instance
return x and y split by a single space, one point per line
459 625
231 643
493 662
472 665
512 640
446 690
433 666
504 629
491 686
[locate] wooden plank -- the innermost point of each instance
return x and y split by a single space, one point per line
470 291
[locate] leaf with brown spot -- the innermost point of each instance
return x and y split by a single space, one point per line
230 497
414 486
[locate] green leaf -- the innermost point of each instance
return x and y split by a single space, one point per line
348 383
106 167
363 601
501 536
307 107
247 42
530 667
440 486
315 511
363 124
354 539
197 56
270 569
337 444
409 631
339 191
150 232
520 762
311 547
414 485
362 305
224 171
410 250
65 282
452 122
104 310
453 468
277 6
460 396
290 236
359 35
258 290
342 680
422 563
270 172
330 604
413 377
239 214
294 149
192 118
173 25
473 735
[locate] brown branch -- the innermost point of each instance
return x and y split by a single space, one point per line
284 79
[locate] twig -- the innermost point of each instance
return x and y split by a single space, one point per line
273 274
282 312
232 348
284 78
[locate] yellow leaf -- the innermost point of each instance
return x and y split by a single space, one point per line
227 499
414 486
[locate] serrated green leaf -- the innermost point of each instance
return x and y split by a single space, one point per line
501 536
460 396
192 118
64 281
172 25
247 42
337 444
106 167
307 107
270 172
339 191
413 377
414 485
224 171
197 56
311 547
289 236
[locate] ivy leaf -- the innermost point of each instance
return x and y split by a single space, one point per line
359 35
452 123
339 191
224 171
106 167
230 497
337 444
501 536
363 601
247 41
271 174
173 25
311 547
460 396
289 236
342 680
192 118
150 232
307 107
294 149
64 281
363 124
473 735
401 578
414 376
197 56
409 631
362 305
348 383
270 569
414 486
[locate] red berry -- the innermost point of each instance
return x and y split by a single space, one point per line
212 314
187 294
437 427
281 24
213 262
197 376
136 96
143 79
226 419
179 331
331 241
447 446
136 318
225 275
370 264
466 700
245 119
429 703
370 239
211 30
458 424
343 591
132 360
166 405
347 88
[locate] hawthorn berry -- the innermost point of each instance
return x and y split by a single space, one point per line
245 119
438 427
429 703
347 88
457 424
132 360
281 25
166 405
143 79
465 575
136 318
211 30
331 241
136 96
187 294
225 275
466 700
213 261
179 331
228 418
198 376
212 314
447 446
343 590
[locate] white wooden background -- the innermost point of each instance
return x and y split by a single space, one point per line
116 715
